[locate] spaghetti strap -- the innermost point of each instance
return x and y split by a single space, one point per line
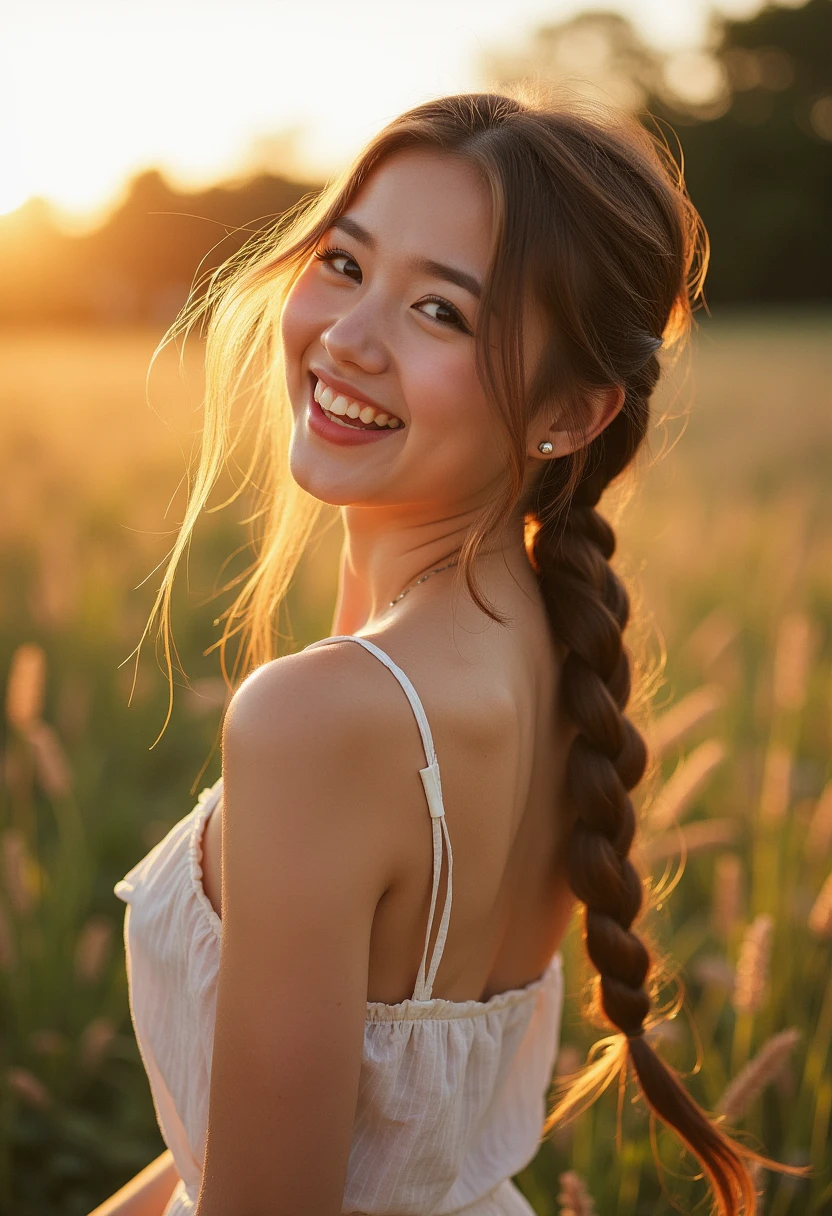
433 794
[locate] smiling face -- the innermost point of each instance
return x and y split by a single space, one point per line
378 344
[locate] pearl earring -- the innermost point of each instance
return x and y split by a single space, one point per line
546 447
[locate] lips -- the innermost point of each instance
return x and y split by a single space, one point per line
327 377
340 401
336 431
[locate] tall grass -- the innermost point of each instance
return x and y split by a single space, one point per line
728 546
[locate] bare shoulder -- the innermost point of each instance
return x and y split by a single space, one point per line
326 735
325 702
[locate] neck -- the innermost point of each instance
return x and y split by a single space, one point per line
383 554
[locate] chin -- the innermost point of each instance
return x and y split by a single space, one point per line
316 475
341 475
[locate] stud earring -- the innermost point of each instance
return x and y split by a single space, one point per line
546 447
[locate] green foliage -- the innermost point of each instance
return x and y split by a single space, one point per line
760 167
749 114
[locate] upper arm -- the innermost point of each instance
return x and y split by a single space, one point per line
304 865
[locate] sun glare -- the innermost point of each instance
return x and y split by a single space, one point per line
92 93
12 197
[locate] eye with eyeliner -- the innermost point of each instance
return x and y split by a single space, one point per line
329 255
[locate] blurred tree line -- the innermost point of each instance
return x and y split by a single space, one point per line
752 110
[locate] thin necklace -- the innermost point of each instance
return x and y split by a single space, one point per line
422 579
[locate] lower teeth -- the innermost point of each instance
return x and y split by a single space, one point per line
348 425
341 422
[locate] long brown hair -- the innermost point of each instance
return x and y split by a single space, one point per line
593 225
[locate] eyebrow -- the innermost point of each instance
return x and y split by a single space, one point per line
451 274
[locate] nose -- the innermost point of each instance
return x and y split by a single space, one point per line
357 335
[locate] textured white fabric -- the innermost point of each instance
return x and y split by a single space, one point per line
452 1094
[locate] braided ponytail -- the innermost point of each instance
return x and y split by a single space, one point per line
588 607
594 231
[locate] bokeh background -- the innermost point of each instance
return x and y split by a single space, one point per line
140 144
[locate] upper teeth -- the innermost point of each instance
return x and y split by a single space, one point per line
337 403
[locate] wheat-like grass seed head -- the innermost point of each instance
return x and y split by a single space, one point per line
573 1197
752 965
743 1091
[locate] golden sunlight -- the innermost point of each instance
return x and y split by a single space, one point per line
92 93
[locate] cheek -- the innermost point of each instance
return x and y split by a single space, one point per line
442 389
300 321
448 400
455 438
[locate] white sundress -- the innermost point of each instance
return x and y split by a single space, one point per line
452 1094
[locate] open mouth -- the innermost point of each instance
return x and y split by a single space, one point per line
351 414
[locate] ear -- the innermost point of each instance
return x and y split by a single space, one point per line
603 403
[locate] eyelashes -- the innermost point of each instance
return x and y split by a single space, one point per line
456 321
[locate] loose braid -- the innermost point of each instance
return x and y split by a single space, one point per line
589 608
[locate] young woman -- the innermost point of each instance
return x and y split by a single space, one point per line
456 344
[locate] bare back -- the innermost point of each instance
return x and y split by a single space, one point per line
490 695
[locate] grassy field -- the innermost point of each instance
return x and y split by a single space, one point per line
727 546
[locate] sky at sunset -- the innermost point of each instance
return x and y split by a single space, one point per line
92 91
